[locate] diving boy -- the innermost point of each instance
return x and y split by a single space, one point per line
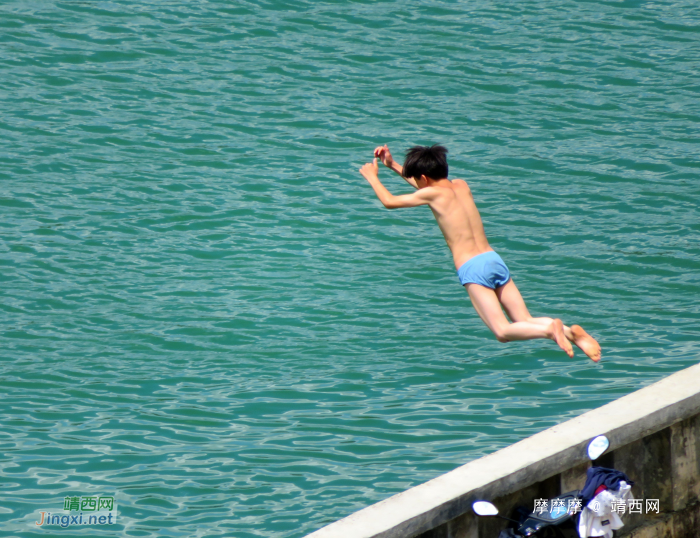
480 269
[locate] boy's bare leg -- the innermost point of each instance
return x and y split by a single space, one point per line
514 305
488 307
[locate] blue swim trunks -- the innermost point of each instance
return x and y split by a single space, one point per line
486 269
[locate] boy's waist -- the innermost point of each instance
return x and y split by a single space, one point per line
465 258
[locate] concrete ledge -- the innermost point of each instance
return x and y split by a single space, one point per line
533 460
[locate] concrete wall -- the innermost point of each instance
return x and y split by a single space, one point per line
654 438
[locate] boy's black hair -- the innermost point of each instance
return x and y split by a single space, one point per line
426 160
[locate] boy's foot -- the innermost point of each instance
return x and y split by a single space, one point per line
557 328
586 342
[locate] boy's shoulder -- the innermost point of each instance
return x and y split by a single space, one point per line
461 186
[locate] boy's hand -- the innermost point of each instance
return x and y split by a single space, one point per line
370 170
385 155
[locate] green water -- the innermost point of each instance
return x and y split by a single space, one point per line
206 313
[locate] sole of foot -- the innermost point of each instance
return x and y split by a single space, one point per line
586 342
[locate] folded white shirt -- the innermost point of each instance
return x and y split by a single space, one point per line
598 518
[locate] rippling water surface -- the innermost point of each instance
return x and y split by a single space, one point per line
206 313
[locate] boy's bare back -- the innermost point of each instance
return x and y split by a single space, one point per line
459 219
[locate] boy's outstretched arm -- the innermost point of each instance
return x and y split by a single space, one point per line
385 155
421 197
